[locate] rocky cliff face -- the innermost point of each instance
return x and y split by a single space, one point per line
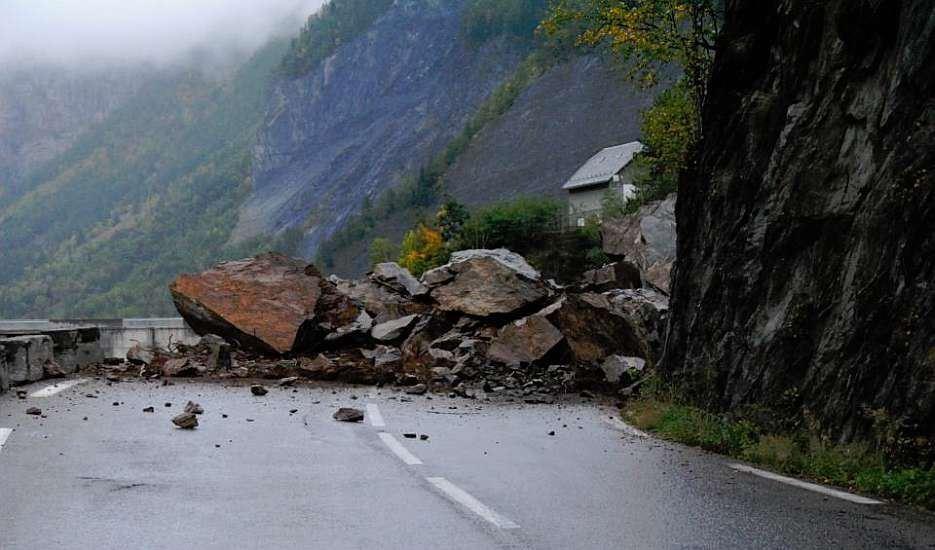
806 258
375 110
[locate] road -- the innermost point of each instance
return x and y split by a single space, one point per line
92 474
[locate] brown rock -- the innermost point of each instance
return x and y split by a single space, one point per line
261 303
524 341
258 390
186 421
181 367
140 355
194 408
595 329
347 414
622 274
380 301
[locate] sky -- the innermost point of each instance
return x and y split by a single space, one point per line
78 32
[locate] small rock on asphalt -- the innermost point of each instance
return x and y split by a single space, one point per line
186 421
424 437
257 389
35 411
149 409
194 408
409 436
288 381
347 414
418 389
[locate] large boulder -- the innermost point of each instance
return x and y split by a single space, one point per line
647 309
647 239
595 329
486 282
270 303
524 341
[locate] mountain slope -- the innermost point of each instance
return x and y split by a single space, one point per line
375 110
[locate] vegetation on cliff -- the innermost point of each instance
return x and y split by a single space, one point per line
338 22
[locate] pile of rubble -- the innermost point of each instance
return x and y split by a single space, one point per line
485 323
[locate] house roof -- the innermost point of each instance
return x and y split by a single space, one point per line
602 167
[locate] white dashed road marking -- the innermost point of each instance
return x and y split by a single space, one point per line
399 450
465 499
4 435
624 427
376 419
805 485
49 391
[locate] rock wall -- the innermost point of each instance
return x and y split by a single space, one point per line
806 257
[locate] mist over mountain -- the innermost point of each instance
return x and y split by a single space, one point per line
101 33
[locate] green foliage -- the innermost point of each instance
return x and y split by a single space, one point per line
859 466
150 193
518 224
669 128
382 250
338 22
648 34
451 218
422 249
487 19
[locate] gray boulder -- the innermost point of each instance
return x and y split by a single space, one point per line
486 282
647 239
393 330
398 278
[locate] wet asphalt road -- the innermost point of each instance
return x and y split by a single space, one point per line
490 477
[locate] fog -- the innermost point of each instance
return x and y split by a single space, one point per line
93 32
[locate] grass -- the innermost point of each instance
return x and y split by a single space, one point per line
859 466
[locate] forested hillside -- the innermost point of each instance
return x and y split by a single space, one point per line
151 191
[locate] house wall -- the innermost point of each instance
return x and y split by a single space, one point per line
588 201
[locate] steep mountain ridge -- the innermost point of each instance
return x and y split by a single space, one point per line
378 108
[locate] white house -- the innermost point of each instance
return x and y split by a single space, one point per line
610 169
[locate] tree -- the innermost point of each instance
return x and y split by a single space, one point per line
451 217
669 128
382 250
423 248
648 34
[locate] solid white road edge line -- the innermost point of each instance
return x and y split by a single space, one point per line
465 499
376 419
399 450
624 427
805 485
4 435
49 391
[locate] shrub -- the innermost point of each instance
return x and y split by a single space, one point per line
423 248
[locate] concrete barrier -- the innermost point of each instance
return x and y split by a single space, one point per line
116 335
